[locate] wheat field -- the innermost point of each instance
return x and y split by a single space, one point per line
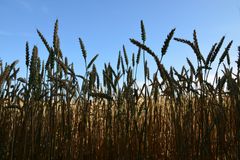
55 113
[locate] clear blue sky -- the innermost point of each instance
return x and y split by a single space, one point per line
105 25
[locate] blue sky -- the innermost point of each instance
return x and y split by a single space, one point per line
105 25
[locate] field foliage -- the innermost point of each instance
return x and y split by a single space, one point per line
55 113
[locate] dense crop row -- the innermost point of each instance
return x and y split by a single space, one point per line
54 113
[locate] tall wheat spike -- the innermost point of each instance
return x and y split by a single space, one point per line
27 55
217 49
84 52
210 54
138 56
167 41
55 37
44 41
148 50
143 32
197 50
225 53
125 55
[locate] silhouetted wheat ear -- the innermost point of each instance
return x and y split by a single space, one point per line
192 45
186 42
125 55
148 50
92 61
146 70
191 66
210 54
167 41
226 52
122 65
84 52
228 59
197 50
195 41
133 59
216 51
55 37
51 59
143 32
138 55
33 66
4 75
143 46
44 41
27 55
119 60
